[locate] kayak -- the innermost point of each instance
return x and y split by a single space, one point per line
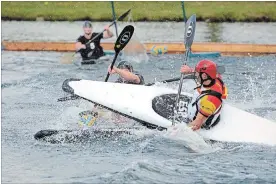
106 58
152 106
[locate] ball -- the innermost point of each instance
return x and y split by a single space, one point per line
158 50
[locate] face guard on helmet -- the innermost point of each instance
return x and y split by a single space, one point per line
205 67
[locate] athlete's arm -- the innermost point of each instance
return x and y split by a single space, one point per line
125 74
185 69
128 75
107 33
198 122
206 107
79 46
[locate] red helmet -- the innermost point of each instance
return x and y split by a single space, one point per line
208 67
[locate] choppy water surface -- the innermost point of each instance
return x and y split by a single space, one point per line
31 84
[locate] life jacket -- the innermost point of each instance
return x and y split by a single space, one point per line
93 50
224 93
213 119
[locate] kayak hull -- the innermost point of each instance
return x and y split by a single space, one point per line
95 61
136 102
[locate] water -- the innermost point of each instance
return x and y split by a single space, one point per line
31 84
256 33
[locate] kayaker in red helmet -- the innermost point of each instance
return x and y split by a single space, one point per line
205 107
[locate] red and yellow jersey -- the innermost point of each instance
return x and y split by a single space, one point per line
210 99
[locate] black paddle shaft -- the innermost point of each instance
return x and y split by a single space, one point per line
119 19
111 67
188 76
121 42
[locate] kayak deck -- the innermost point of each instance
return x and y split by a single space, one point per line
144 104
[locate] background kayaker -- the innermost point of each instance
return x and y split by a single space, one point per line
126 74
94 49
205 107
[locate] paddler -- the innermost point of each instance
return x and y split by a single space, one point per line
207 102
94 49
126 74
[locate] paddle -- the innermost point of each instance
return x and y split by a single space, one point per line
188 41
221 70
183 11
114 17
119 19
70 59
121 42
190 76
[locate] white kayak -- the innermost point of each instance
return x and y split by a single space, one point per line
152 106
106 58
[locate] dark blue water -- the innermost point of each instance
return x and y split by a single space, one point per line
31 84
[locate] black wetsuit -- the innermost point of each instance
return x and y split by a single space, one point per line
93 50
142 82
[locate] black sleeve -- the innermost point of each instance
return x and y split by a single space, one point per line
142 81
99 37
80 39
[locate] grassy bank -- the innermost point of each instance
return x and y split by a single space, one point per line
141 11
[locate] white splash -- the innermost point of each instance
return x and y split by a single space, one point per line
190 138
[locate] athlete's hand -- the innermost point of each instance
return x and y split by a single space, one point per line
106 27
195 125
113 69
186 69
83 46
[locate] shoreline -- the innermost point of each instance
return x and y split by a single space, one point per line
199 19
172 48
140 11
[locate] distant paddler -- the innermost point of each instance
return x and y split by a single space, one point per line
93 50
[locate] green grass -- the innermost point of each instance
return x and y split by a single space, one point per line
141 11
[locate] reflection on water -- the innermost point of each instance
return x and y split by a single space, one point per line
214 31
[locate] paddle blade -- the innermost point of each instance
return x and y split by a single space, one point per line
121 42
124 38
124 15
67 58
190 31
87 119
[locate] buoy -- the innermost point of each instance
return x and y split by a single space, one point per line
158 50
